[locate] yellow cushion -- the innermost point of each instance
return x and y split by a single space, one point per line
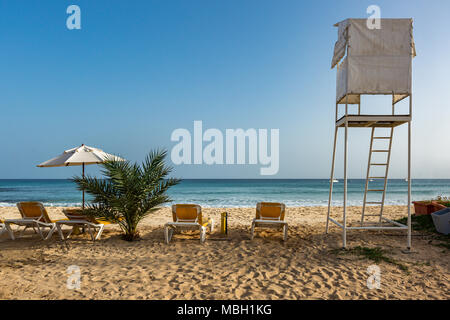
103 221
33 209
207 223
270 210
186 212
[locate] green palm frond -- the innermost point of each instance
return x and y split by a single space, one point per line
129 192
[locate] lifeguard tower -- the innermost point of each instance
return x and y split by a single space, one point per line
372 62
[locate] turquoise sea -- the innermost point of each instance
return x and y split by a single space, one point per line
233 193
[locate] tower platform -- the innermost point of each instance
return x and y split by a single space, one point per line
373 121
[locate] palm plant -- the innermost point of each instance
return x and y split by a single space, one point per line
130 192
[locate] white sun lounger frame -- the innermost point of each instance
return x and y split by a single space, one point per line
91 227
188 224
269 222
31 223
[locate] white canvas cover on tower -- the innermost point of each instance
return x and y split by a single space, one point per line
378 61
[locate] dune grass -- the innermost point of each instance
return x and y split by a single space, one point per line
425 224
420 223
376 255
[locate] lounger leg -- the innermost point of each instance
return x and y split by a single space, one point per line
50 233
40 232
285 232
90 232
61 235
252 232
168 232
25 228
70 232
211 226
202 234
10 231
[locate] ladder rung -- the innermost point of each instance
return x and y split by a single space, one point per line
381 137
372 215
380 150
377 177
378 164
375 190
374 202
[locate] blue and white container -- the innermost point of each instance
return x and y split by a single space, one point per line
441 220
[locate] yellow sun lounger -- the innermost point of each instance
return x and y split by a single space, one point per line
34 216
270 215
187 216
76 219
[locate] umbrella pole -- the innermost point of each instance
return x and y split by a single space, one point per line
83 190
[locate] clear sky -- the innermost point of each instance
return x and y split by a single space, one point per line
138 70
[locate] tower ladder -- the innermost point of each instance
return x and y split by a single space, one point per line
370 165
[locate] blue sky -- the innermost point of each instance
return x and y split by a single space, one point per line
137 70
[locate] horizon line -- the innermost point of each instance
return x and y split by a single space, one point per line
241 178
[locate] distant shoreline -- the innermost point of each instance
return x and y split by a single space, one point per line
236 193
230 179
218 208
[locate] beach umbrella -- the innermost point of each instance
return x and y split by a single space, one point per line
80 156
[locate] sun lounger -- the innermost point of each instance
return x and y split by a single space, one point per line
187 216
34 216
270 215
76 219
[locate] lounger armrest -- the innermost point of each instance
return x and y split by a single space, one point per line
270 221
20 220
77 222
186 224
29 221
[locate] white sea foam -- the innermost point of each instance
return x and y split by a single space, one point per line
46 204
225 204
233 193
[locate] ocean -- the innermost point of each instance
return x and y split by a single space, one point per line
233 193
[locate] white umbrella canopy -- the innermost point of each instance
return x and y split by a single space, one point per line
80 156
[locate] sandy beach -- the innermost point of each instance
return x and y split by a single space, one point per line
307 266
